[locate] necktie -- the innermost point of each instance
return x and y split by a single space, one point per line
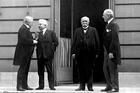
41 32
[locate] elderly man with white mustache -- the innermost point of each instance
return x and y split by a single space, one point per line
85 49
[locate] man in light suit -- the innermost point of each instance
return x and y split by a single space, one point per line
85 49
23 53
46 46
111 51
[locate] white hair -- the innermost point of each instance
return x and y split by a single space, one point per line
43 21
109 12
28 19
85 18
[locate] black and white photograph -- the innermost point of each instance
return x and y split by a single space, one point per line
69 46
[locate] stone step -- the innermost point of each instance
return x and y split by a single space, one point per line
70 89
129 83
8 79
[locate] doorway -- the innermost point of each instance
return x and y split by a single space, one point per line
71 12
93 9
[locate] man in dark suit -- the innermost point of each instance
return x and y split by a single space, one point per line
112 52
23 53
47 43
85 49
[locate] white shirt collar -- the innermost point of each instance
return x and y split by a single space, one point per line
85 31
27 26
110 20
44 30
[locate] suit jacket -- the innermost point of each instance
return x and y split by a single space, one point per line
86 43
111 41
25 46
47 44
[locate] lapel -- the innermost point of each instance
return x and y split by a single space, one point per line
45 33
108 26
41 34
26 27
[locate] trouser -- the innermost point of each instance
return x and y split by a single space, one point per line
111 72
85 66
22 75
86 76
42 64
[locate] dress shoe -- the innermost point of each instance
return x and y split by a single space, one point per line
90 89
106 89
28 88
89 86
115 90
20 89
80 89
39 88
52 88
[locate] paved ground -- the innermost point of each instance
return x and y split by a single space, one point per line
70 89
129 83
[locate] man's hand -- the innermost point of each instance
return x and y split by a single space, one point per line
96 56
111 55
73 56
